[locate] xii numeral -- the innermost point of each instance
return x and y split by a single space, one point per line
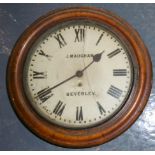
39 75
61 41
79 35
79 113
59 108
44 94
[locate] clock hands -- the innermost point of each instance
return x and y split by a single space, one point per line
96 58
63 82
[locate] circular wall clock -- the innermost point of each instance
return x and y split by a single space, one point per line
79 77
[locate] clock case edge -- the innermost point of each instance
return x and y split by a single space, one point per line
91 136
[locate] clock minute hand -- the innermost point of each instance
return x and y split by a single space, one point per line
63 82
45 91
96 58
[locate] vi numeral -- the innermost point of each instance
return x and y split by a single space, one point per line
79 113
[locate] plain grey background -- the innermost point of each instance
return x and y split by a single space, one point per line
14 18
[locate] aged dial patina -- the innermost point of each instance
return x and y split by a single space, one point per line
78 74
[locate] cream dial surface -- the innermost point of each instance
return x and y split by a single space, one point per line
85 100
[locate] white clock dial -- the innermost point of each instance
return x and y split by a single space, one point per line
78 74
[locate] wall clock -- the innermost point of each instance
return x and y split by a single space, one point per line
79 77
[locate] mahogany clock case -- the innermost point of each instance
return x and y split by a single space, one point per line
95 135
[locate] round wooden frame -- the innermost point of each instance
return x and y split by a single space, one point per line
103 132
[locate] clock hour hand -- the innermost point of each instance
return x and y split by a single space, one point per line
96 58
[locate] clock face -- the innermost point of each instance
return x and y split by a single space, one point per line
78 74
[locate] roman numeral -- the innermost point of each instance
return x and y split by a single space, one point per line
119 72
99 39
110 55
80 35
79 113
101 109
42 53
60 40
39 75
44 94
114 91
59 108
